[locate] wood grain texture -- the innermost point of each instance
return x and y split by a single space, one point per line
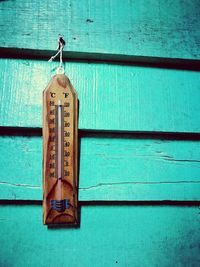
145 28
60 154
112 97
108 236
110 169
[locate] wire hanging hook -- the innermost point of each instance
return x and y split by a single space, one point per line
61 44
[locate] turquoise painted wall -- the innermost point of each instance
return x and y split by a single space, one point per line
135 66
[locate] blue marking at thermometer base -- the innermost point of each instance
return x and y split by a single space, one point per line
60 205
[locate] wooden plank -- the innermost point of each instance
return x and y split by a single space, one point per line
166 29
112 97
111 169
152 236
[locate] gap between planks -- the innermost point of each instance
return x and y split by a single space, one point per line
25 131
116 59
110 203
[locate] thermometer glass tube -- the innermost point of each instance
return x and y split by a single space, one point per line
59 204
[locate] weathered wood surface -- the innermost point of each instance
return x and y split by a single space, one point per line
112 97
60 152
108 236
110 169
145 28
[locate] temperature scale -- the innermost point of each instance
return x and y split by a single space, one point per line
60 152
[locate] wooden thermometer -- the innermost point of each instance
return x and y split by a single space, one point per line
60 153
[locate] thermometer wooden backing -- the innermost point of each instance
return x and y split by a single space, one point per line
60 152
